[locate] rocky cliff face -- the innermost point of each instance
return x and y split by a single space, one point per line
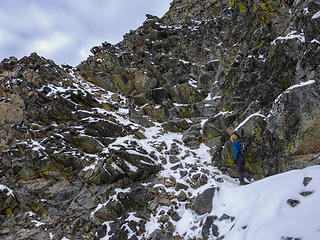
230 62
84 146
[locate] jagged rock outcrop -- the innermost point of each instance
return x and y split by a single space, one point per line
233 57
56 129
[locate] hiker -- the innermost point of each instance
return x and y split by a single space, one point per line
239 160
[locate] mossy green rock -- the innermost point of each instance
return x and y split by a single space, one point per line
86 144
143 81
176 126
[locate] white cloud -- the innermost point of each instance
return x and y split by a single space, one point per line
1 15
40 17
51 44
84 53
66 30
1 35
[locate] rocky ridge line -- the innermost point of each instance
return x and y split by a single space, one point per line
235 63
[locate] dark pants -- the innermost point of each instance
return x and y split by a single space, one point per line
240 169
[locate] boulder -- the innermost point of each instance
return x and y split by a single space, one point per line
104 129
143 81
203 202
186 94
215 131
176 126
110 212
7 201
294 118
121 164
122 83
12 111
192 136
159 95
208 224
86 144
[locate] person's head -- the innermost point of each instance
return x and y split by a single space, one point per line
233 138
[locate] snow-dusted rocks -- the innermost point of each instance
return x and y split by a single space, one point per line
7 201
139 154
200 63
292 115
121 164
276 205
192 136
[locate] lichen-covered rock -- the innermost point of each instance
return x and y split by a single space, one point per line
143 82
7 200
192 136
294 118
215 128
121 164
86 144
11 111
184 93
176 126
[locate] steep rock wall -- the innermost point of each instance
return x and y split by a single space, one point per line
226 59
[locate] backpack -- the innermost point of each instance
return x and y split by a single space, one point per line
244 146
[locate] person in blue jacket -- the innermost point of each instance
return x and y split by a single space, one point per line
239 160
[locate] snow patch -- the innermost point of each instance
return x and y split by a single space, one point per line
293 87
248 118
291 35
317 15
300 85
38 224
261 210
315 41
30 214
131 167
4 187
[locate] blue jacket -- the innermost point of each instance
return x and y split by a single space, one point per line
236 148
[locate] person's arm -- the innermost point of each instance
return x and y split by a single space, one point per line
235 150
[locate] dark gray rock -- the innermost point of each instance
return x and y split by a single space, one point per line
208 224
179 71
183 173
293 202
174 159
160 235
306 181
121 164
110 212
180 186
206 227
86 144
203 202
182 196
174 215
176 126
140 195
297 119
307 193
215 230
224 217
192 136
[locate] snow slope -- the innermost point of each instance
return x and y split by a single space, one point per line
260 210
264 209
284 206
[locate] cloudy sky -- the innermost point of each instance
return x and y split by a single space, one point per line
66 30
